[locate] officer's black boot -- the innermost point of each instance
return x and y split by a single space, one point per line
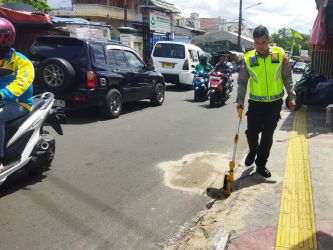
251 156
262 170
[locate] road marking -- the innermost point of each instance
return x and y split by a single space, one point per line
296 226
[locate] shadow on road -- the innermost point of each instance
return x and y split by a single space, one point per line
93 114
247 179
20 180
179 88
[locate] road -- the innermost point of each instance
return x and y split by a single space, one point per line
105 189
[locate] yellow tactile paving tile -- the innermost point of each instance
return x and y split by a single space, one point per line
296 225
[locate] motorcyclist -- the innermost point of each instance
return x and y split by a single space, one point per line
204 64
222 66
16 88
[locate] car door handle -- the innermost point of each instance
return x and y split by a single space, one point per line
116 71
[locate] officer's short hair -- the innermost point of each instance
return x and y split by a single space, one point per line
260 31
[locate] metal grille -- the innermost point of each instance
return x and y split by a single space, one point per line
322 59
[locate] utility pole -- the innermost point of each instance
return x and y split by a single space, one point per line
239 26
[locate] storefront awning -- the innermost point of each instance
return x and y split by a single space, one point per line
159 5
25 17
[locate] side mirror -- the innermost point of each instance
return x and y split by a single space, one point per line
5 71
150 67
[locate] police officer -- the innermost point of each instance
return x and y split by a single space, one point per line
268 71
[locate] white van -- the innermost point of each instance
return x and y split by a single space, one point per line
176 60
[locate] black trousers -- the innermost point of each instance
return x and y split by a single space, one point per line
262 117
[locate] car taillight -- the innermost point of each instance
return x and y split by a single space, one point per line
186 65
91 80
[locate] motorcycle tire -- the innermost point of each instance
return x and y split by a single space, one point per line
212 102
195 97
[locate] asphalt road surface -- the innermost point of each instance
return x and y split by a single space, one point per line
104 190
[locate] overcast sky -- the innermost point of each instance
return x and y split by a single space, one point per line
296 14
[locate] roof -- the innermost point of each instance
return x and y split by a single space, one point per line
19 6
159 4
80 21
25 17
224 35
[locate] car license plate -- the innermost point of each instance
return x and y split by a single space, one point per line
59 103
168 65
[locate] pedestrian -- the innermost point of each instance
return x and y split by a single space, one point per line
267 70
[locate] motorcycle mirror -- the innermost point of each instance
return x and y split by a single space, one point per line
5 71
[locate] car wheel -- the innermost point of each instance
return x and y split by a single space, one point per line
113 104
158 95
56 75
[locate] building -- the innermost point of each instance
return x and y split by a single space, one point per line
233 27
211 24
187 29
145 21
322 39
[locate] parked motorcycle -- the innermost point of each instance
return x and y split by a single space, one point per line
27 145
312 89
200 85
220 87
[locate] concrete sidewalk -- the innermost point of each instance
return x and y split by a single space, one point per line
260 223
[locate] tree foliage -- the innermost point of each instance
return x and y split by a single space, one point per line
38 4
285 39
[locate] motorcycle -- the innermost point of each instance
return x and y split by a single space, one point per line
27 145
312 89
200 85
220 87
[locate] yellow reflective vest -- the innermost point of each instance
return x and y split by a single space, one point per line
266 84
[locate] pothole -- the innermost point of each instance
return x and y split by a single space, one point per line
195 172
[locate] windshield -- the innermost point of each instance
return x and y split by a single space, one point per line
300 64
169 50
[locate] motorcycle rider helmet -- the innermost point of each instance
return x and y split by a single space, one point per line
7 33
203 59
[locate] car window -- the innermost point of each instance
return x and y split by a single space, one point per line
169 50
111 59
300 64
133 60
120 57
193 55
99 55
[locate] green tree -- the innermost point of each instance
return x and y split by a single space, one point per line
38 4
287 40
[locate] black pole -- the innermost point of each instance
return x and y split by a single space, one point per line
125 15
239 26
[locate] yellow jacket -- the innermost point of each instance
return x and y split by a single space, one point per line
17 87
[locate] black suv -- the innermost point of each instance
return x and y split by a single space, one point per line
93 72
